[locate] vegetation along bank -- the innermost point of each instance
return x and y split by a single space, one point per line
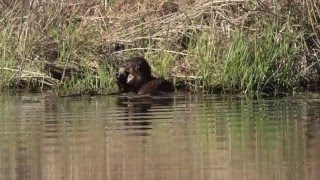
237 46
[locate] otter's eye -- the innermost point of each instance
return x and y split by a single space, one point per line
137 67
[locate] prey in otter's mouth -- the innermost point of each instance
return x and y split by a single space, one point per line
127 75
130 78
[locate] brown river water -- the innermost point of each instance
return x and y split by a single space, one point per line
175 137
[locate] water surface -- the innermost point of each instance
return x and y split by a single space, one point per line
176 137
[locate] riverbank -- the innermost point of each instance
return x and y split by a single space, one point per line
203 46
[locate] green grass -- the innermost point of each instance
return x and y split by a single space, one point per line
259 62
263 63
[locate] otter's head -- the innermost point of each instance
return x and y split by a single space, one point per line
134 73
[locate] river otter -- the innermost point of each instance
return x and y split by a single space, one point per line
135 76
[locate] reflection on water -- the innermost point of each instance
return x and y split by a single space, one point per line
167 137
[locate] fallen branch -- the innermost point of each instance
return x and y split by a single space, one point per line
43 78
